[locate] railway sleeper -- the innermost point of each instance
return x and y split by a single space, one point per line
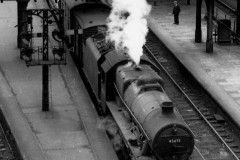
196 100
229 140
155 52
209 117
216 124
234 145
182 104
192 118
180 82
237 154
207 113
210 147
170 91
152 49
208 142
173 73
202 108
236 150
192 95
220 129
163 60
186 113
224 134
200 102
213 121
179 99
149 45
218 158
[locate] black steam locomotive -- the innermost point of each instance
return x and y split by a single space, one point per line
138 89
141 91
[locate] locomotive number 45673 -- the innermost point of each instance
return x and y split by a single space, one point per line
174 141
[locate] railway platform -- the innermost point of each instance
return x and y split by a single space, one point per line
69 131
217 72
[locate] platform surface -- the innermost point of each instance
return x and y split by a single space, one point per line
69 131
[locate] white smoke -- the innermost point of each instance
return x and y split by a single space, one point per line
127 26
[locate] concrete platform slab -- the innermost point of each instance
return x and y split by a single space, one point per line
63 140
64 132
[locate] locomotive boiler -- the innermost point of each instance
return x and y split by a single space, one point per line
140 89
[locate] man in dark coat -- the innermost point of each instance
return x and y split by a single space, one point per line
176 11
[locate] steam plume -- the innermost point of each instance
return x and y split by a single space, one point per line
127 26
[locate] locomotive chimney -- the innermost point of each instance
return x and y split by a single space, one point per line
167 106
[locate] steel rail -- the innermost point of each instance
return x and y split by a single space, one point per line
199 112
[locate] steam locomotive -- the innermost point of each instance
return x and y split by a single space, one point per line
115 81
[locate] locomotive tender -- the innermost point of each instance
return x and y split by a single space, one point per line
138 88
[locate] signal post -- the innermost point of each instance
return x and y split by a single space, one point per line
43 55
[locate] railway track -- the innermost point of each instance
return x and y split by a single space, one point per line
216 137
228 10
8 148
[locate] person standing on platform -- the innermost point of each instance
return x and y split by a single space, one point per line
175 12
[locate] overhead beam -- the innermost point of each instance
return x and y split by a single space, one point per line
198 31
